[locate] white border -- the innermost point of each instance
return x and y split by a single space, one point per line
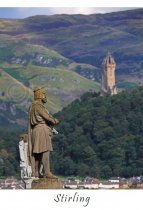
71 3
99 200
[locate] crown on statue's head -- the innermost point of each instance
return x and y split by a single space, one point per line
38 92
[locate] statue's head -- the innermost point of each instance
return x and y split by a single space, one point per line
40 94
24 137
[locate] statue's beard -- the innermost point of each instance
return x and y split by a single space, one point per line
44 100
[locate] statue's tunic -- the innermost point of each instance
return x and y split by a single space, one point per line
41 123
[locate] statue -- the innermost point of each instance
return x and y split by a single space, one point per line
40 133
26 170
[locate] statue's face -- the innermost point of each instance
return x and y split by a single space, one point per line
44 97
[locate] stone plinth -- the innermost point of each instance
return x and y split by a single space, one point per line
46 183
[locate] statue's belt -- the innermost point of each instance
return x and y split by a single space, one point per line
42 125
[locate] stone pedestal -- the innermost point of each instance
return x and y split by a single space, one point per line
28 182
46 183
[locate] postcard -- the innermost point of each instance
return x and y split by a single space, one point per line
71 98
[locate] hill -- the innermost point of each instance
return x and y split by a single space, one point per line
87 39
101 136
24 66
118 32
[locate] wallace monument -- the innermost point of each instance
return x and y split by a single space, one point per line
108 76
35 147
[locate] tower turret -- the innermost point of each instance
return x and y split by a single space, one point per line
108 85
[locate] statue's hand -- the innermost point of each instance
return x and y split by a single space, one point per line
57 121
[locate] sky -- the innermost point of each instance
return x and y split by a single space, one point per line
23 12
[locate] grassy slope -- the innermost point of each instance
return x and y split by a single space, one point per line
62 84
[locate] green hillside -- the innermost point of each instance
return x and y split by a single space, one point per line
15 99
25 66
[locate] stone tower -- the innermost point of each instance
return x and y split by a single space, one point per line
108 76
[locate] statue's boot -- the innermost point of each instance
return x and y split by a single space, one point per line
36 174
32 163
46 165
50 175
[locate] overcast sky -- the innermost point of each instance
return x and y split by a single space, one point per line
22 12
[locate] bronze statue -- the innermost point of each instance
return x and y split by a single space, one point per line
40 134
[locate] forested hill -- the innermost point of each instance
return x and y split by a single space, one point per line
98 136
101 136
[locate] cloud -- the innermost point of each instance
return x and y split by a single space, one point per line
72 10
85 10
